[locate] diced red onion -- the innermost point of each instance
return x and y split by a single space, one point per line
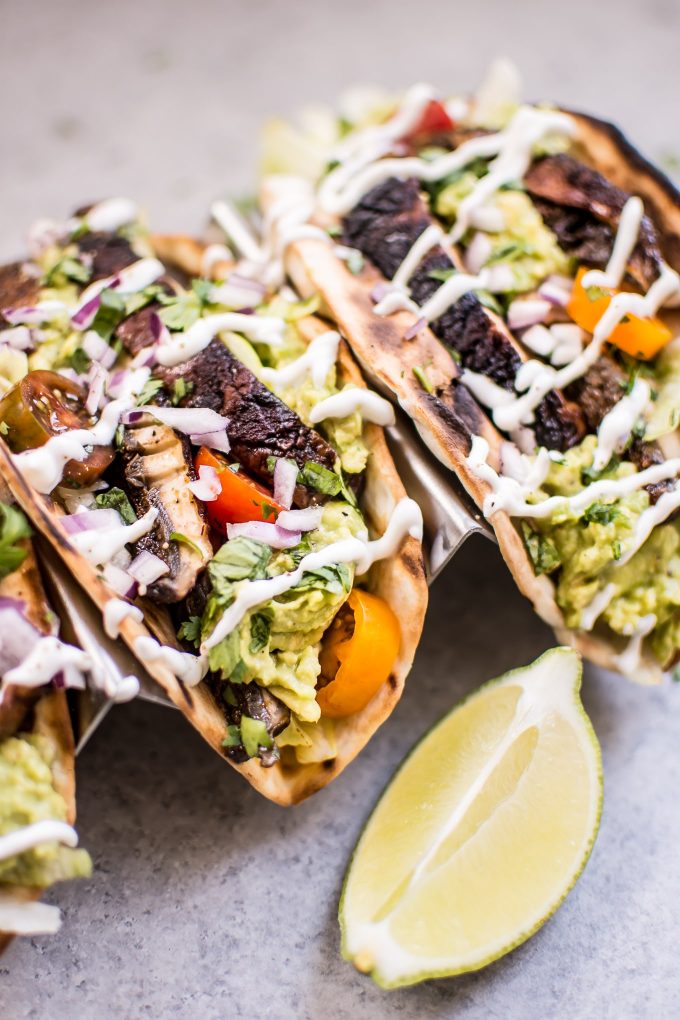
159 331
147 568
208 486
539 339
19 338
145 357
33 315
413 330
88 520
527 312
261 531
238 291
307 519
96 380
98 349
285 480
70 373
190 420
213 440
128 382
557 290
477 253
84 314
499 279
120 581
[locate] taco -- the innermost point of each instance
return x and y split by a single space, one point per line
37 784
508 272
206 459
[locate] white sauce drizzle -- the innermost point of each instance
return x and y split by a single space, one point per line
649 519
624 245
262 329
630 660
237 231
317 361
370 406
345 186
406 520
592 612
510 495
30 836
485 390
190 669
99 547
617 425
429 239
47 657
115 611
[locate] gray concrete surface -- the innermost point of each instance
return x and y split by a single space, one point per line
208 902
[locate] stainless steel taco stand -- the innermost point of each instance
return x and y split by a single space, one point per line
449 518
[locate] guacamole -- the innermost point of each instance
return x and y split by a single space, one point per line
27 795
584 553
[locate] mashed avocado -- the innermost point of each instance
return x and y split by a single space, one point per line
588 549
27 795
277 644
525 245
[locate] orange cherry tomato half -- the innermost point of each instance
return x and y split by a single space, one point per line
641 338
359 651
240 500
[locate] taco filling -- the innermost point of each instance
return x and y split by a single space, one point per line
37 840
204 452
481 223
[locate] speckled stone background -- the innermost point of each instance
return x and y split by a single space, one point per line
208 902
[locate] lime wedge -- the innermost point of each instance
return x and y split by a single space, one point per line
481 833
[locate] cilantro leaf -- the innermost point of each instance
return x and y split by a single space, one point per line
190 630
240 559
13 528
110 313
601 513
116 499
149 390
336 579
318 477
542 551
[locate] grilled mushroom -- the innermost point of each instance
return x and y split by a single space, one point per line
158 469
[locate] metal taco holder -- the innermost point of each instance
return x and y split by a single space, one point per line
449 518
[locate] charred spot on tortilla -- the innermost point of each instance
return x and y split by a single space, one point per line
261 426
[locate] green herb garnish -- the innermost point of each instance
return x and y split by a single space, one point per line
13 529
177 536
116 499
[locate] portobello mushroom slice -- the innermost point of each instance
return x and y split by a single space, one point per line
260 426
158 469
17 287
384 226
583 209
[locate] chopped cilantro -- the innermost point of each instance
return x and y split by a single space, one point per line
13 528
542 551
67 268
318 477
116 499
78 361
589 474
616 549
180 389
177 536
149 390
190 630
442 274
260 626
336 579
268 511
110 313
601 513
240 559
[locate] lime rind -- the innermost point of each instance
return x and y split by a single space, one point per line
569 704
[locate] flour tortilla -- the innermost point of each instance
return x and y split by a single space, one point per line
447 420
400 581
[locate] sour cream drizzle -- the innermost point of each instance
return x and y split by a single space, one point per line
190 669
630 660
30 836
617 425
512 147
261 329
317 362
624 245
117 610
596 608
99 547
370 406
510 495
406 520
47 657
